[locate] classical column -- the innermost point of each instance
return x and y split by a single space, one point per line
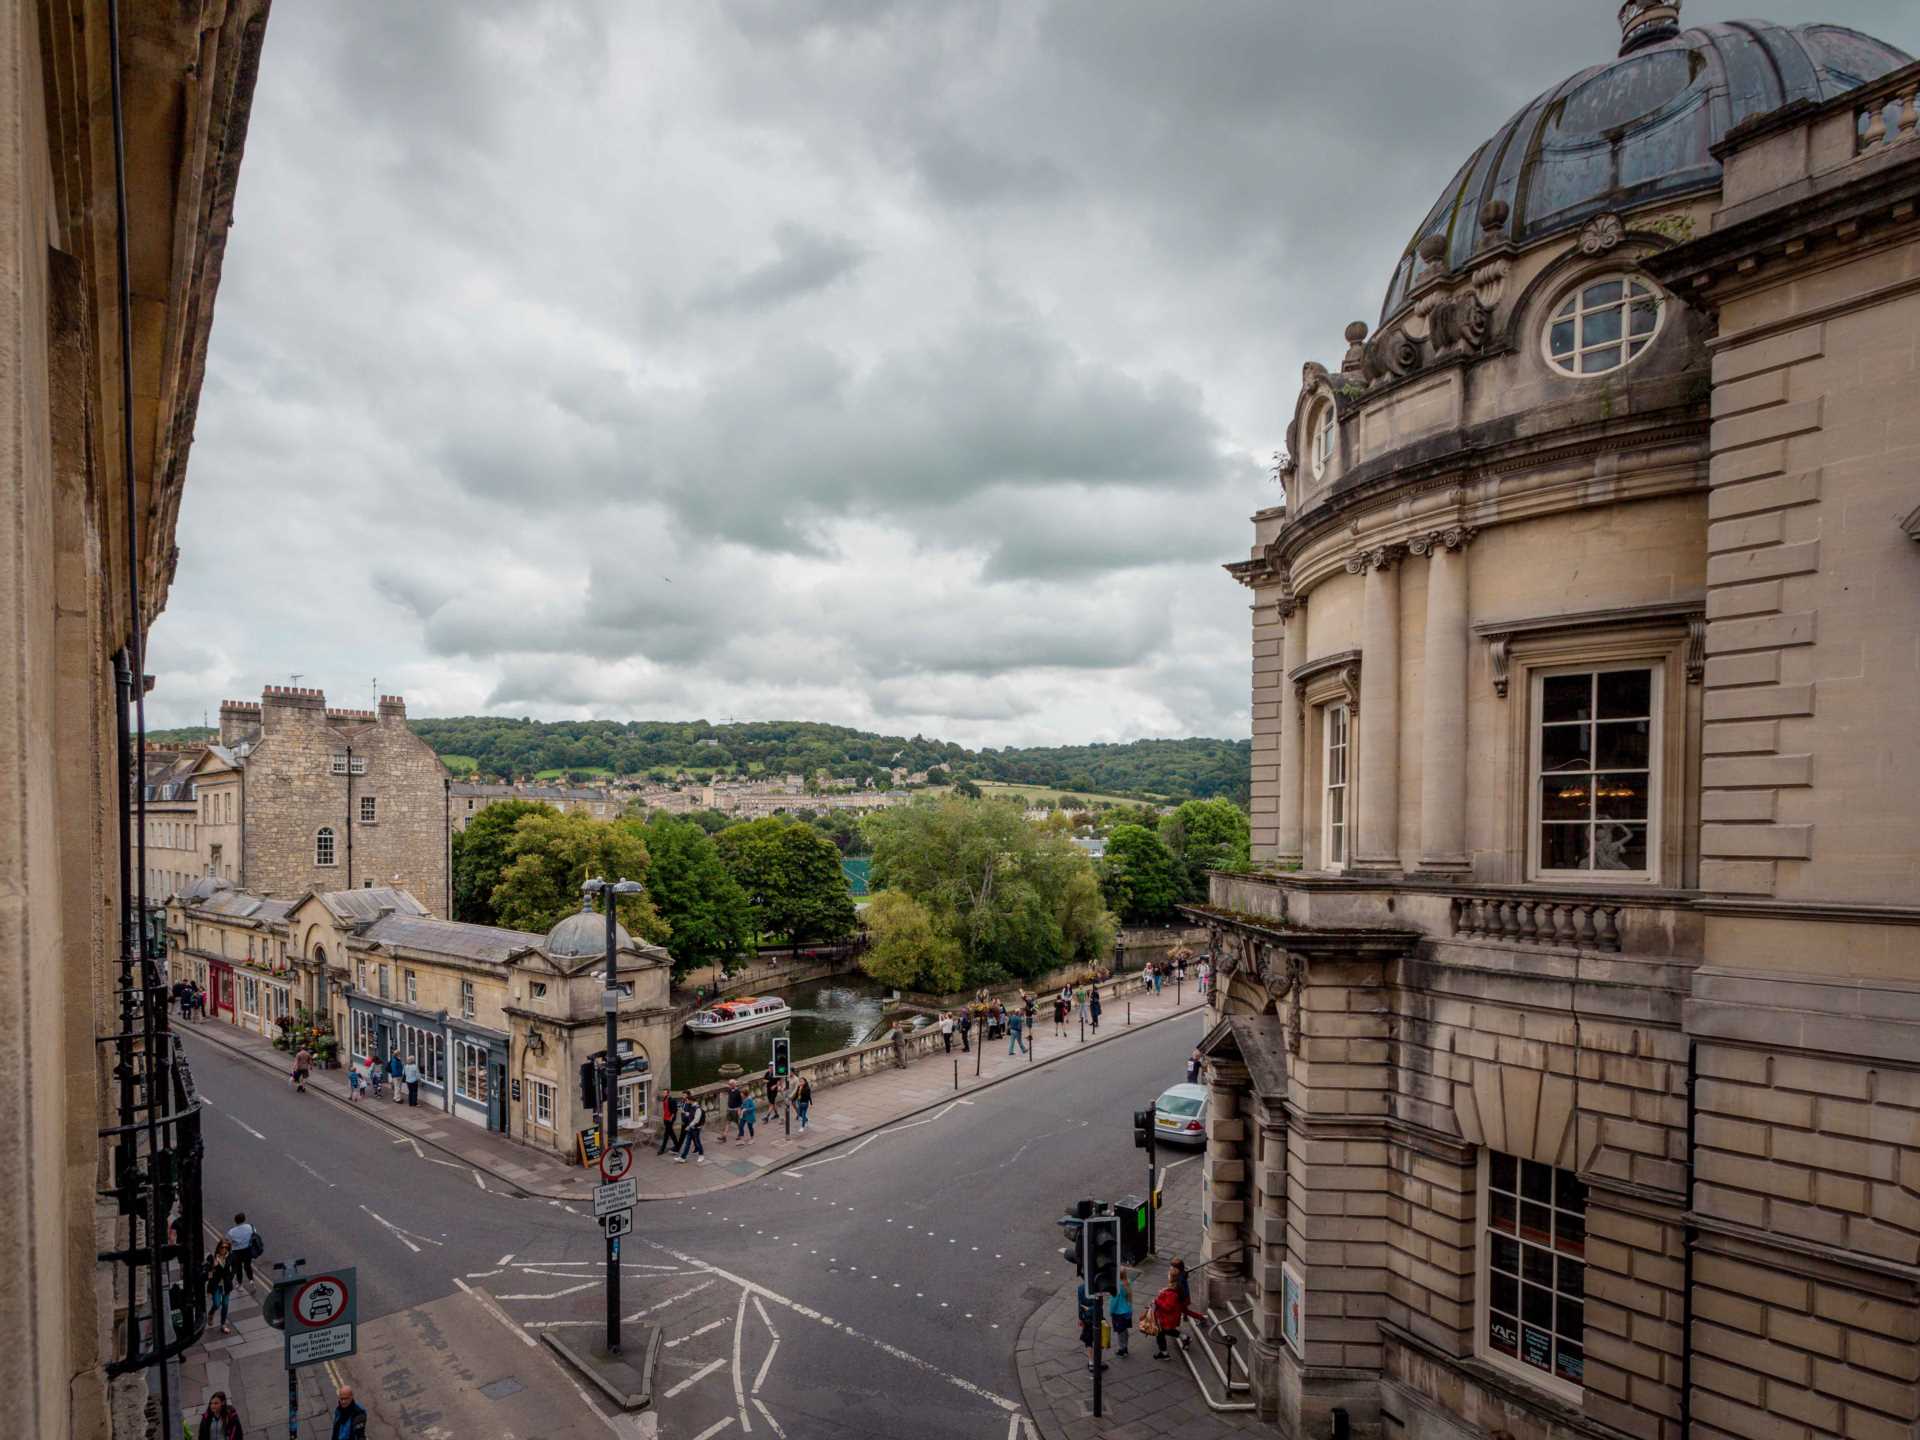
1292 736
1443 733
1378 842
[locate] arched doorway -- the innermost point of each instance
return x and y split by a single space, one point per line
322 988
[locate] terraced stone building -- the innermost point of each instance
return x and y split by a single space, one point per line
1566 1072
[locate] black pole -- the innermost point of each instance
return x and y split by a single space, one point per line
1099 1350
612 1101
293 1404
981 1047
349 815
1153 1197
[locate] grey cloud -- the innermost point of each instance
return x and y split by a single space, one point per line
806 261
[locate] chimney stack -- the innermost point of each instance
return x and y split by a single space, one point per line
393 707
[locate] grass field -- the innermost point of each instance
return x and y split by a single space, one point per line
460 764
595 770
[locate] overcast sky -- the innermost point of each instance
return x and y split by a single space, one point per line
897 363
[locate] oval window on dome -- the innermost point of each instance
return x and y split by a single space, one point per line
1602 324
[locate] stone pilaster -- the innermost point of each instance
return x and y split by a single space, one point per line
1227 1162
1270 704
1377 844
1289 848
1443 732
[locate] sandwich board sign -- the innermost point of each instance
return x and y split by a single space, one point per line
321 1314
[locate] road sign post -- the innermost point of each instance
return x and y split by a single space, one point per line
321 1315
616 1162
617 1223
615 1195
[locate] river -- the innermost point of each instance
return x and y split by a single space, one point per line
828 1015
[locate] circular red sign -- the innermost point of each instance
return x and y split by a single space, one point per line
615 1162
320 1301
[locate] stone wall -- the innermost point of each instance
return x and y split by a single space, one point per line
291 792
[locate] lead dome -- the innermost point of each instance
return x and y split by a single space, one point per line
1640 128
584 934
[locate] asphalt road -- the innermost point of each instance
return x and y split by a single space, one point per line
878 1289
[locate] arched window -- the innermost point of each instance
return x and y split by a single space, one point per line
1602 324
1324 438
323 846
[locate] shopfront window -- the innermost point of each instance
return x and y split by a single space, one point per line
1533 1272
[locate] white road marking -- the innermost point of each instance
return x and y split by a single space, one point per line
497 1313
739 1392
713 1429
506 1259
397 1234
699 1375
478 1181
766 1364
310 1170
481 1274
692 1334
555 1295
670 1300
765 1414
878 1134
416 1149
765 1319
246 1127
806 1312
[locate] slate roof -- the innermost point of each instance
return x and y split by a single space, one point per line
366 904
488 943
217 897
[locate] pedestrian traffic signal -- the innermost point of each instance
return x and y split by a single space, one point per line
1143 1131
589 1085
1101 1237
1134 1229
1074 1225
782 1056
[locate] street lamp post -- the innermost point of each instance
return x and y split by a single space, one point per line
1120 969
610 894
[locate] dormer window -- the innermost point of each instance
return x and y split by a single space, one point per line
1602 325
1324 438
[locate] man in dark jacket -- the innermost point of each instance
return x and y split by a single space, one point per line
349 1419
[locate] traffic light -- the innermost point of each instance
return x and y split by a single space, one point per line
782 1056
1143 1131
1101 1236
1074 1225
1134 1229
589 1085
274 1308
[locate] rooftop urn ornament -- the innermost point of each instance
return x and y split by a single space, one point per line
1356 347
1647 22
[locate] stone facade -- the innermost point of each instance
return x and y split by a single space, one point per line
325 799
470 798
187 74
1565 1066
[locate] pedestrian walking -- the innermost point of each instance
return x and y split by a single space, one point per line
669 1110
748 1112
693 1117
803 1100
1159 976
1193 1068
733 1110
396 1068
1206 979
179 993
1180 968
245 1241
1089 1307
349 1418
222 1273
1080 1002
412 1073
899 1047
966 1032
1177 1277
219 1421
1093 1008
302 1067
354 1082
374 1076
1016 1021
1030 1012
1121 1309
1168 1311
946 1032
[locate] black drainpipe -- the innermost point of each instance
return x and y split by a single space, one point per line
349 817
446 834
1689 1237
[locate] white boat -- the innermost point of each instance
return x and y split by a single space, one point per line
741 1013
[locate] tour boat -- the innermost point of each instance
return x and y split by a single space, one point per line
742 1013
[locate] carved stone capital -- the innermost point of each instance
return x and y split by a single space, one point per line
1380 557
1287 606
1454 537
1601 234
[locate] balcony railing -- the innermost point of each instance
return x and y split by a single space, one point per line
1539 920
1886 114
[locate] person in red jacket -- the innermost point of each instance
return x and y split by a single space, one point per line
1168 1310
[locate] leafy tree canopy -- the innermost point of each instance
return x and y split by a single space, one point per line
792 878
1139 877
480 855
905 950
549 856
1207 835
710 918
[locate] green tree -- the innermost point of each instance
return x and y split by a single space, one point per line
791 875
1015 900
480 855
711 821
551 855
1207 835
1139 877
966 788
906 951
708 914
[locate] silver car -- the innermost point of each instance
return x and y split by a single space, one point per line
1180 1116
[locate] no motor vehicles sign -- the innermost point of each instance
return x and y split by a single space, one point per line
321 1313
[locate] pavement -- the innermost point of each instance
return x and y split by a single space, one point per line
1141 1398
846 1111
246 1367
873 1287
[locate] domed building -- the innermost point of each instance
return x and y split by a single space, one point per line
1566 1072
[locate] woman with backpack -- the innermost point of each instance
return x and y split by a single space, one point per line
220 1421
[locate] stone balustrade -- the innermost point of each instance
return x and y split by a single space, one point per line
1886 113
1538 919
